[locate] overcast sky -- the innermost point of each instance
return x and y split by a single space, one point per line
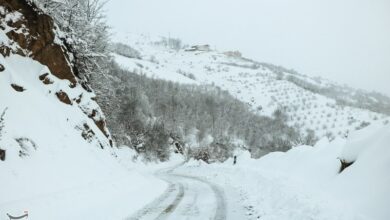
347 41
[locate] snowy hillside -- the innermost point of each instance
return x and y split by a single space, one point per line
56 156
262 86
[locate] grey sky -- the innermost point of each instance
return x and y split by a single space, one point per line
347 41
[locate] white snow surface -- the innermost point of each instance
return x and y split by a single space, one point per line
305 183
50 170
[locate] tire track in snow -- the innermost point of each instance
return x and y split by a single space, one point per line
167 203
171 208
155 207
220 212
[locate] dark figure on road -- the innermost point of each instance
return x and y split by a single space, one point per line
235 160
2 154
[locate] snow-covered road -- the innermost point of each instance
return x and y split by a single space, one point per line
188 197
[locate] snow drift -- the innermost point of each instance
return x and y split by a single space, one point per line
305 183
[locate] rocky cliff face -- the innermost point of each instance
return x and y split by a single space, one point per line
26 31
37 36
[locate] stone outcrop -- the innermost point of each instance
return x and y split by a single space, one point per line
33 33
17 88
63 97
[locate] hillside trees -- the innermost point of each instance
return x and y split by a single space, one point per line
151 113
172 43
125 50
346 96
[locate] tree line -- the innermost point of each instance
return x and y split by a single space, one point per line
150 114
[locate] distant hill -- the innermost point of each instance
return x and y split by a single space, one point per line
311 103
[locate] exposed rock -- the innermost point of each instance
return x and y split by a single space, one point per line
63 97
72 85
5 51
2 68
43 76
33 33
45 79
40 41
93 114
101 124
78 100
87 133
344 165
17 88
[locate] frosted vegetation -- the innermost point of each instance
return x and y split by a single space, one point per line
152 113
85 32
125 50
344 95
2 122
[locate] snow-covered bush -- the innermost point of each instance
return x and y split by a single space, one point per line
171 43
153 59
2 122
199 154
186 74
363 125
279 75
125 50
330 136
26 146
2 152
85 31
343 95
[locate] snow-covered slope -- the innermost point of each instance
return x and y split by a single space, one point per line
260 85
56 159
305 183
50 170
